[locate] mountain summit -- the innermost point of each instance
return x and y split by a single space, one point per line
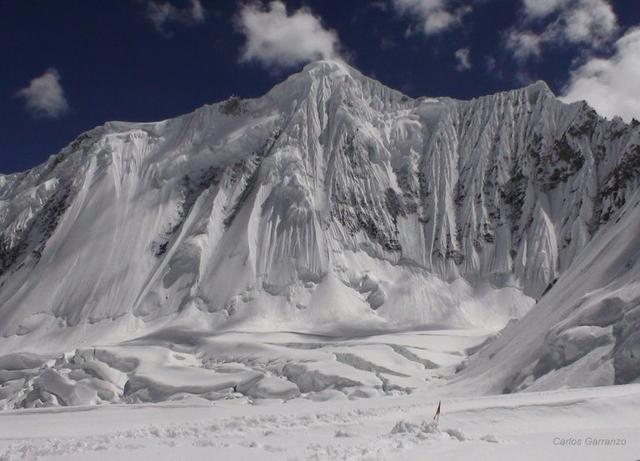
332 203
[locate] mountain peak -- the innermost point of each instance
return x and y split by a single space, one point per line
327 65
335 74
330 68
539 86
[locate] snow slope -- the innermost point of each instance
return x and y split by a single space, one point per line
585 331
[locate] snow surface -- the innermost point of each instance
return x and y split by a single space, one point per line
526 426
172 365
243 395
584 331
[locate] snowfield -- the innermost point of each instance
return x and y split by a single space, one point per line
586 424
289 396
172 365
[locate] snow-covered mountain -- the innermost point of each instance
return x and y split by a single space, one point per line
336 204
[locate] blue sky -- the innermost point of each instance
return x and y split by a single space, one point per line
70 65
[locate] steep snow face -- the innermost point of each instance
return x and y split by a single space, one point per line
585 331
332 202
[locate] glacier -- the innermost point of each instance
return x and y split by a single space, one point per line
333 205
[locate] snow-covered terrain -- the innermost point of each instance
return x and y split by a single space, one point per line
331 201
586 424
585 331
286 396
330 243
247 367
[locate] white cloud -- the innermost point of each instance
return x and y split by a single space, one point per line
162 13
435 16
44 97
611 86
463 58
277 39
524 45
590 23
542 8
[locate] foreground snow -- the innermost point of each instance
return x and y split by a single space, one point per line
517 426
288 396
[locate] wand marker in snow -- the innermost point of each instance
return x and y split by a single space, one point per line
436 417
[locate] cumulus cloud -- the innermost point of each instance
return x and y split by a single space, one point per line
611 86
590 23
44 96
524 45
542 8
435 16
275 38
162 13
463 58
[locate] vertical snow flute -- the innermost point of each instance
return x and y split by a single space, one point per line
436 417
